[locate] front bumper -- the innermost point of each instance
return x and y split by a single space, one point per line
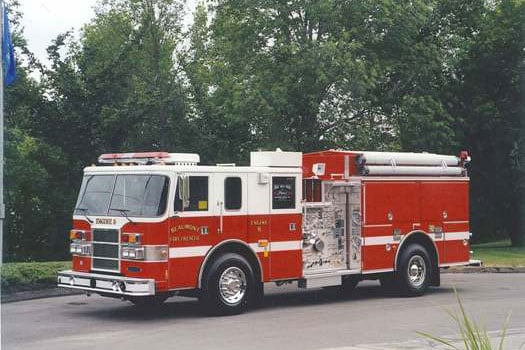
98 283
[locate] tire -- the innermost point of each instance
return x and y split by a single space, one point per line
227 285
149 301
414 274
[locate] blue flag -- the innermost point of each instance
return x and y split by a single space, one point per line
8 53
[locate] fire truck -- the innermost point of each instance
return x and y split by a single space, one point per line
151 225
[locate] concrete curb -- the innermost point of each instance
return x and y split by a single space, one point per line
484 269
38 294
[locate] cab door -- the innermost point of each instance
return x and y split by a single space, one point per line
231 205
193 228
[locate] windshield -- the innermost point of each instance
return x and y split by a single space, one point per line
131 195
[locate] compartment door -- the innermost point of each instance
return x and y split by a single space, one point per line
353 234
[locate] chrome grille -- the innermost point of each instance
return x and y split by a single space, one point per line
105 235
103 264
105 249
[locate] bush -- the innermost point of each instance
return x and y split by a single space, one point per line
31 276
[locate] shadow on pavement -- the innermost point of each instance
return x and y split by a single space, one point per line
184 308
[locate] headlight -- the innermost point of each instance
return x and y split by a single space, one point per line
139 253
80 249
85 249
133 252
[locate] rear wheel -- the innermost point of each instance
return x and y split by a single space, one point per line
228 285
414 272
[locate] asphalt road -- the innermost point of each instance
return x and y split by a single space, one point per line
291 319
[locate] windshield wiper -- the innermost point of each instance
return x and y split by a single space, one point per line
124 213
83 211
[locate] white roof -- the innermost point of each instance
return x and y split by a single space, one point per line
187 169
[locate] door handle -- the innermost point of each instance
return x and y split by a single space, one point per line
220 204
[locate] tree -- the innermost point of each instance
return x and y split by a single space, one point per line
488 100
310 74
302 75
105 92
36 173
119 86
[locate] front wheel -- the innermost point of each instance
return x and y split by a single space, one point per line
414 273
227 285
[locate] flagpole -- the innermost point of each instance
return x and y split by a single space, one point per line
2 207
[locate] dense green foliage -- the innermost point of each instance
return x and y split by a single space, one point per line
30 276
437 76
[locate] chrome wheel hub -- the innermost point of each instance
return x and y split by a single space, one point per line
232 285
416 270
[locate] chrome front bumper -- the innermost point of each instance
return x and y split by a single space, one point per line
98 283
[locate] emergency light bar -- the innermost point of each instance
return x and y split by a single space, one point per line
150 158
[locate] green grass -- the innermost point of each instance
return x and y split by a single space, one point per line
32 275
499 253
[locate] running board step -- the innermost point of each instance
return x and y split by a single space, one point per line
319 282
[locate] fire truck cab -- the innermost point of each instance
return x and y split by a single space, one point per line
157 224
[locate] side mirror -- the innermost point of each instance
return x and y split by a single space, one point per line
184 191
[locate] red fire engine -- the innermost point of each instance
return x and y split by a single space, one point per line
158 224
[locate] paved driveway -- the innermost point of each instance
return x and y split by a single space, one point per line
290 319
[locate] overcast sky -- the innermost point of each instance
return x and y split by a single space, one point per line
43 20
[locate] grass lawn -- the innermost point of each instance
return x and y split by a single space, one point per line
32 275
499 253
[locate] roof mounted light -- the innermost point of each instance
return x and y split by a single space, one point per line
464 156
150 158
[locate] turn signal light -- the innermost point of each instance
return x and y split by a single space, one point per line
132 238
77 235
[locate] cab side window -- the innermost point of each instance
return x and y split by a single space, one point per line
232 193
283 192
198 199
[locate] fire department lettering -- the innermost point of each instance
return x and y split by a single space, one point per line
105 221
185 238
185 227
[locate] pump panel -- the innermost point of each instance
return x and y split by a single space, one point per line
332 230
